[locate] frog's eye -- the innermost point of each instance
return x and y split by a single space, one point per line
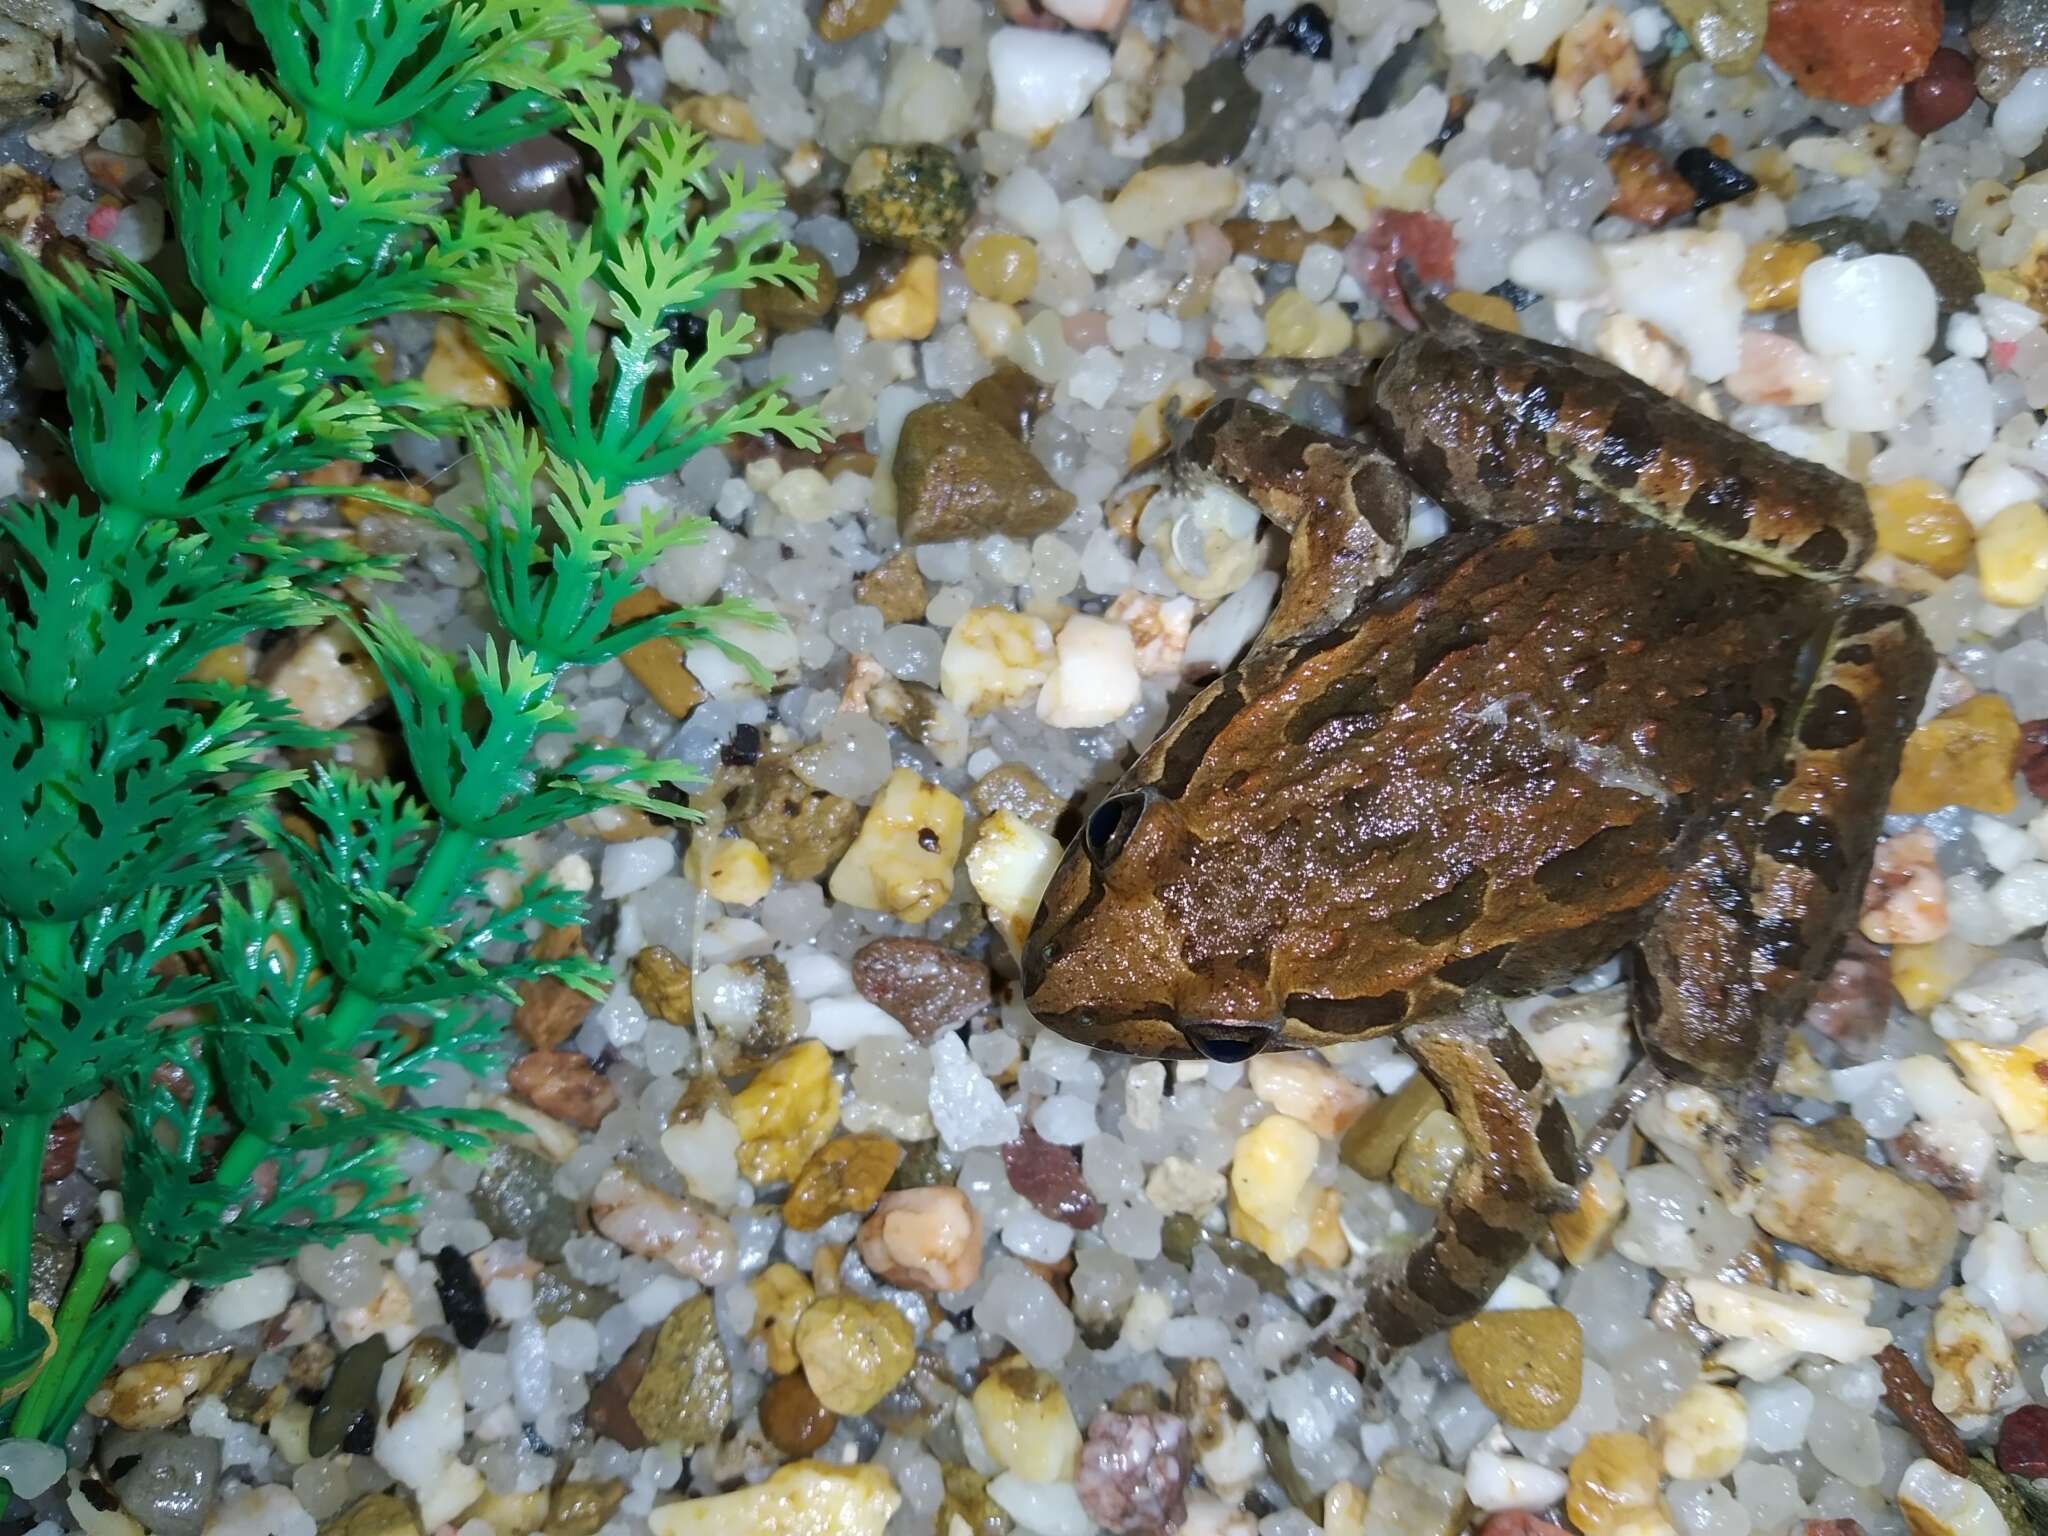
1111 824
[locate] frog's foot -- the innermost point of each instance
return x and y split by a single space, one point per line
1523 1167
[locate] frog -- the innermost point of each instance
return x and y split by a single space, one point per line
1633 703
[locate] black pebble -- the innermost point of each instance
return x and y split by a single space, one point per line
744 750
361 1436
1517 296
1307 30
1714 181
462 1299
687 332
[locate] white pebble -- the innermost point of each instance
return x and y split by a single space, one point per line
1094 677
258 1295
2021 120
967 1109
1042 79
843 1022
1511 1482
1991 484
29 1467
1684 283
631 866
1869 307
1558 264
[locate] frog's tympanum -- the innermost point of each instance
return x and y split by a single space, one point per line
1630 703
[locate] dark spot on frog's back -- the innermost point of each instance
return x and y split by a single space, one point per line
1574 875
1348 1015
1832 719
1445 916
1721 507
1628 448
1826 549
1807 842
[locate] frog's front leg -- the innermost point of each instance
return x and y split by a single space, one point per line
1744 938
1523 1167
1343 504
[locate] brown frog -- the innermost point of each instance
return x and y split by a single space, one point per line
1631 703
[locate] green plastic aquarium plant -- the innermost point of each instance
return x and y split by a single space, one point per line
261 962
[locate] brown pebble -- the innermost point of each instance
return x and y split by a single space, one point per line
1941 95
527 177
550 1011
1014 788
783 307
1907 1397
1646 189
895 588
608 1412
661 985
801 830
1009 397
60 1149
1281 240
925 987
840 19
563 1084
792 1418
1050 1178
1218 18
959 475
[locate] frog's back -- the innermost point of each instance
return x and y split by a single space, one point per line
1489 775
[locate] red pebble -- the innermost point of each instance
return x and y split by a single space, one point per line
2023 1442
60 1149
1516 1522
1050 1178
1424 241
1844 1527
2002 354
1854 51
1941 95
101 221
2034 756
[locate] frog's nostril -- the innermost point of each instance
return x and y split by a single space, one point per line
1111 824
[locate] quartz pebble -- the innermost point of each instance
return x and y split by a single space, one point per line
1043 79
1025 1422
853 1351
803 1498
927 1238
682 1233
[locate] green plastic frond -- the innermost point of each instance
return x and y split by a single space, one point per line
73 1022
473 75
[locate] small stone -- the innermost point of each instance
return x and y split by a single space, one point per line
1942 94
1956 277
580 1507
924 986
374 1514
326 676
965 1508
1025 1422
786 1113
848 1173
1013 787
853 1350
1221 109
719 115
1297 326
166 1480
457 371
1714 180
1966 756
1613 1478
1702 1435
1042 78
1011 398
803 1498
563 1084
1857 1216
1001 266
1524 1363
1164 199
802 831
685 1234
1854 51
1050 1178
462 1298
1729 34
685 1393
2010 39
1938 1503
1647 189
350 1398
839 20
902 861
1375 1139
1411 1497
657 664
1598 47
1012 862
911 197
2023 1442
960 475
895 589
1133 1472
533 175
995 659
1918 521
927 1238
516 1197
1272 1204
908 308
2012 556
550 1010
793 1419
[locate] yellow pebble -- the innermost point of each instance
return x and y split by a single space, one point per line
902 861
1613 1479
1924 974
722 117
1771 272
1297 326
2012 556
457 371
1025 1422
786 1113
781 1292
1416 190
1918 521
1486 308
993 326
1271 1204
853 1350
1703 1433
1001 267
1966 756
729 869
909 307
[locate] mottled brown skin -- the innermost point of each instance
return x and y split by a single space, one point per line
1624 707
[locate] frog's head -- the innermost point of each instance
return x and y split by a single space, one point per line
1108 961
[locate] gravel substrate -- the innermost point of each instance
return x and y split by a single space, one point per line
810 1198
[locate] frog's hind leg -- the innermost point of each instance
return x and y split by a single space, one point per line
1742 942
1523 1167
1343 503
